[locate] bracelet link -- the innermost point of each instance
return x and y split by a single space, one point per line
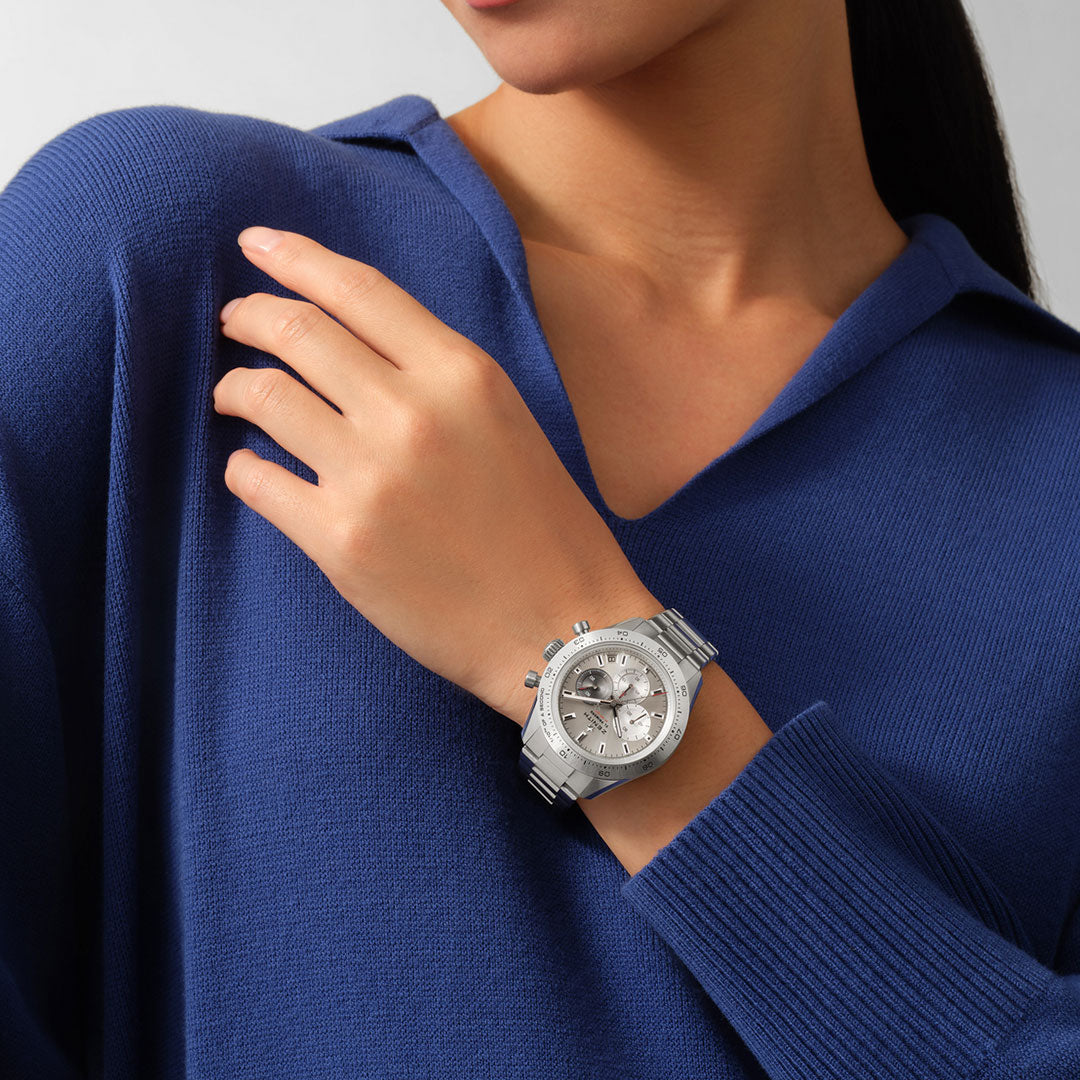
539 776
681 639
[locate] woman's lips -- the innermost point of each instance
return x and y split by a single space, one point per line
489 3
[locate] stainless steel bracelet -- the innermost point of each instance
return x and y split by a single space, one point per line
681 639
542 773
548 774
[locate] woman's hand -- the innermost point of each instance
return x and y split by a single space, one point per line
442 512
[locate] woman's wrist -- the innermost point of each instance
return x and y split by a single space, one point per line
723 733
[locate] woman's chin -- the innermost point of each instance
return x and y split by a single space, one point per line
551 69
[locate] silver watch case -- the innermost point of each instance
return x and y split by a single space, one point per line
588 778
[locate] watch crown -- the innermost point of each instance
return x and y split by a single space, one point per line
581 627
552 647
532 679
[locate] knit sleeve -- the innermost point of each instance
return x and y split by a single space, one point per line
844 933
56 358
38 952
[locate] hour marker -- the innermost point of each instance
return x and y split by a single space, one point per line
583 734
569 715
601 750
660 691
599 660
625 748
658 715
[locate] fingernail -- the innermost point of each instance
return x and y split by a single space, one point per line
258 238
227 310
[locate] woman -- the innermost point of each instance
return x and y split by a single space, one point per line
703 308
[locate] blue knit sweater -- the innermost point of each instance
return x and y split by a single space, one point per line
233 846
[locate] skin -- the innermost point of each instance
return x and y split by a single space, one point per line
690 182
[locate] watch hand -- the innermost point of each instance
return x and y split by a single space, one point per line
615 720
599 700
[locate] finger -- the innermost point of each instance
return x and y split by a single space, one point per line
295 418
323 352
374 308
289 503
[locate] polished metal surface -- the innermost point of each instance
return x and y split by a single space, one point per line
675 633
552 647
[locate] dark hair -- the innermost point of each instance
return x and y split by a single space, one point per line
933 137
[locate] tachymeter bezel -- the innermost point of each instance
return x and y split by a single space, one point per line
662 747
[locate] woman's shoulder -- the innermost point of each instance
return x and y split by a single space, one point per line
163 169
117 250
1007 369
986 310
1008 357
138 209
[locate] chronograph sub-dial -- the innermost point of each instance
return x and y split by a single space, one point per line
631 684
632 721
593 683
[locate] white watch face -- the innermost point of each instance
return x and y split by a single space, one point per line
613 702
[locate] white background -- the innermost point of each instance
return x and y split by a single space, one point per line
64 60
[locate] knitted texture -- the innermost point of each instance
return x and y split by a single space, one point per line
244 835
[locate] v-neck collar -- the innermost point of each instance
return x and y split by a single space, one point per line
937 264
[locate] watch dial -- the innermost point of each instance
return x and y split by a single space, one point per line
612 702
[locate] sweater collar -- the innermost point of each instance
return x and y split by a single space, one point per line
937 265
416 121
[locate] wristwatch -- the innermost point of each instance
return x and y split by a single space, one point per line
611 705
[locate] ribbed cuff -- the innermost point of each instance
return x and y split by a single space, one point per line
820 940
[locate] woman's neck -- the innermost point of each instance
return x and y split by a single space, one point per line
728 168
